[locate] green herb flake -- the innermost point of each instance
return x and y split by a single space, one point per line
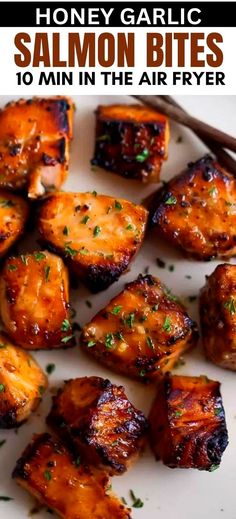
88 303
213 191
65 325
2 345
6 203
77 208
137 502
109 341
6 498
103 138
150 343
85 219
67 339
142 318
97 230
213 468
124 501
83 251
119 336
141 157
94 193
217 411
2 442
47 475
69 251
142 373
167 324
2 388
160 263
116 310
78 461
178 414
91 344
155 308
129 227
230 305
171 268
50 368
118 205
11 267
39 256
115 443
47 269
171 200
130 320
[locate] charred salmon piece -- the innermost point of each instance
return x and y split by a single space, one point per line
97 234
142 331
187 423
97 419
22 384
196 211
67 486
131 141
34 144
34 301
14 212
218 316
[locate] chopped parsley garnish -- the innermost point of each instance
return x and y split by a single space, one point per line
47 475
178 414
2 442
109 340
130 320
171 200
137 502
118 205
160 263
119 336
50 368
67 339
115 443
77 208
213 467
39 256
142 373
6 203
47 269
116 310
78 461
124 501
155 308
213 191
6 498
91 344
167 324
41 390
2 388
150 343
85 219
171 268
65 325
94 193
11 267
142 318
97 230
2 345
217 411
88 303
83 251
69 251
66 230
129 227
230 305
103 138
141 157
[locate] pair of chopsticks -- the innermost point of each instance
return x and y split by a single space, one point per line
216 140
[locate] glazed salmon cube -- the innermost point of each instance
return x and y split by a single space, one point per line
131 140
187 423
34 144
97 419
142 331
22 384
65 485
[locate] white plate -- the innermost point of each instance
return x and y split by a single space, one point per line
166 493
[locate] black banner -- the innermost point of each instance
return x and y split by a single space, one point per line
135 14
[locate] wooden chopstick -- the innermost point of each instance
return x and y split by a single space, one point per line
224 158
176 113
